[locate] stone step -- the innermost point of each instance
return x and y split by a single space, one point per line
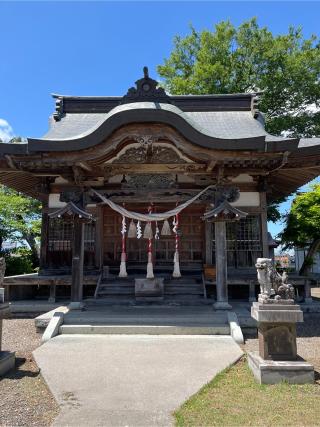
117 287
184 292
219 329
182 286
124 291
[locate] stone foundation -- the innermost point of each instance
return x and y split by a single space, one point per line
149 289
7 362
274 372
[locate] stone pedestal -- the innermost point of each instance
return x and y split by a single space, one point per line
277 329
149 289
7 359
277 360
274 372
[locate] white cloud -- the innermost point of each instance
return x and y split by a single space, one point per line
6 131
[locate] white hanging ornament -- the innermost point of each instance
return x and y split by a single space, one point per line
150 274
148 231
139 231
157 234
124 226
176 265
132 232
123 267
166 231
174 223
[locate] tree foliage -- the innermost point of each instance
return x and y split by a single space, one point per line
302 228
250 58
20 220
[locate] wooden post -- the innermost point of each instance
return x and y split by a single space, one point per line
77 264
264 225
44 238
208 240
221 267
99 239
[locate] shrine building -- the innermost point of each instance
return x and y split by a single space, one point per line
151 185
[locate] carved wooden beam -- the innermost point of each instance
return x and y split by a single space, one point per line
120 169
211 165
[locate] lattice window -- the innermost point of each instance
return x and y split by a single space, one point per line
60 243
244 243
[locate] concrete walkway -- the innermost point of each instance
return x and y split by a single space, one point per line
129 380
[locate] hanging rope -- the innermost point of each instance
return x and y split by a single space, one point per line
123 267
176 264
150 274
150 216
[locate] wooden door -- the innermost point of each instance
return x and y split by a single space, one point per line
111 237
192 245
191 240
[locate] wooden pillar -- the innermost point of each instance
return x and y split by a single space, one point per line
208 240
77 264
221 266
99 239
264 225
44 238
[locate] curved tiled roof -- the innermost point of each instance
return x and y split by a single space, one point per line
234 130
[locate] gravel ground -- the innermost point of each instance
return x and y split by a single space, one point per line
308 341
25 398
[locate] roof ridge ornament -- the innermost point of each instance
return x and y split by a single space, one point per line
146 90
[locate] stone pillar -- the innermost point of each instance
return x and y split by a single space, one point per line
221 266
252 291
52 295
307 292
7 358
77 265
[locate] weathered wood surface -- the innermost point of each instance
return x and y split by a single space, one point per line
221 262
39 280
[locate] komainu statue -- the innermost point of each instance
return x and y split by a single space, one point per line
272 284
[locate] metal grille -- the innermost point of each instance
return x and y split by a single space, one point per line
89 244
60 244
244 244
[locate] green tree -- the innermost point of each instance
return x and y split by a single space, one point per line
302 227
250 58
20 220
286 68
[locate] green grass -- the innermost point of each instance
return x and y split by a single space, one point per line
234 398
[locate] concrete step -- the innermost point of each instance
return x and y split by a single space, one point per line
152 320
219 329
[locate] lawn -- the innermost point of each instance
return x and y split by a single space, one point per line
233 398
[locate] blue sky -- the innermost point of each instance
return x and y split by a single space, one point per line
99 48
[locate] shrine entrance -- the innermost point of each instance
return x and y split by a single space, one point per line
191 245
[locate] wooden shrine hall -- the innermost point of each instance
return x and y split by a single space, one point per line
149 185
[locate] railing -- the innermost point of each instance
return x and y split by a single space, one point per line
98 286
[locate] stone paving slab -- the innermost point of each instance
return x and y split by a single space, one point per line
120 380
